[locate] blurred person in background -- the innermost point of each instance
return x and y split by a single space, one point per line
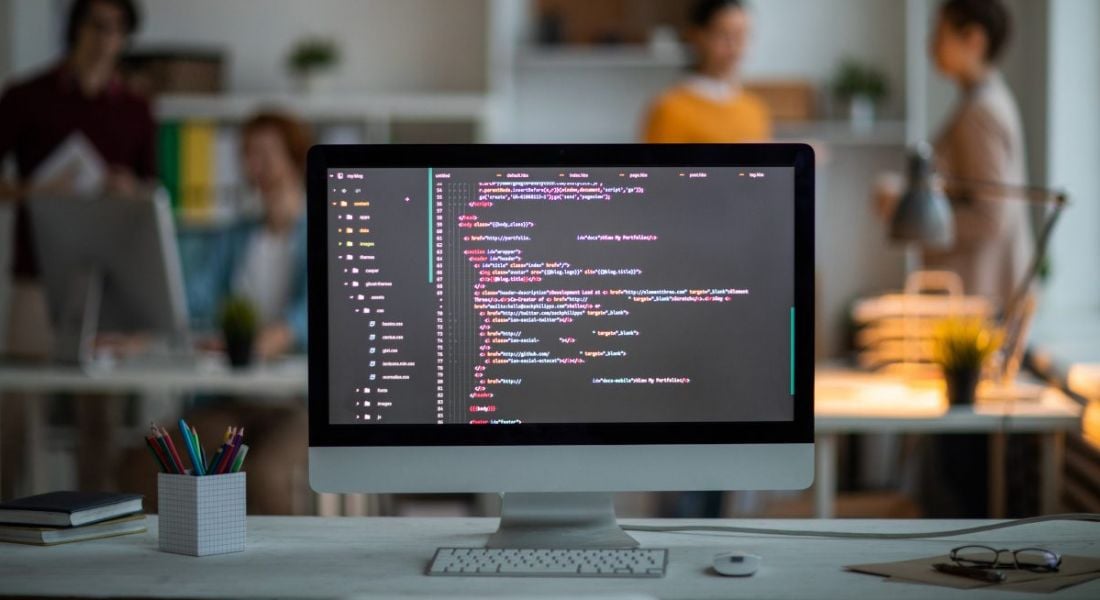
79 96
711 106
263 262
981 141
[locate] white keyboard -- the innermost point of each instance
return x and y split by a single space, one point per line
546 562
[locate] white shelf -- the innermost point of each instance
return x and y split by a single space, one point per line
842 133
442 106
580 57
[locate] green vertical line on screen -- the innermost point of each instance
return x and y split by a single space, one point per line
431 236
792 350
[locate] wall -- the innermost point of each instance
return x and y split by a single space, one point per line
6 44
33 34
1074 155
411 45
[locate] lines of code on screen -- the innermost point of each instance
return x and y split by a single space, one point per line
560 295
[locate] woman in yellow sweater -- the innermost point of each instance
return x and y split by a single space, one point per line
711 106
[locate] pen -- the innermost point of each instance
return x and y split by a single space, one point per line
987 575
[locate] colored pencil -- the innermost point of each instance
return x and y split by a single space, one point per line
192 453
201 450
229 456
212 468
237 464
163 448
173 454
156 453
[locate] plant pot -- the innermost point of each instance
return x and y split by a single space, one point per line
962 385
861 113
239 351
314 82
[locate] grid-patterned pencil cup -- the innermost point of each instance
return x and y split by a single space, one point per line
201 515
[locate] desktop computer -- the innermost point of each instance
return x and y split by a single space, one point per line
111 264
559 322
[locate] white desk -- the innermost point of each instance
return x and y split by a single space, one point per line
856 402
311 557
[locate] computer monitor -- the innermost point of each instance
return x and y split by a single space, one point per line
557 322
110 264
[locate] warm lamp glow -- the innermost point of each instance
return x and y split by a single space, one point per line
1090 423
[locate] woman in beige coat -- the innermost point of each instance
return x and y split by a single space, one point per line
982 141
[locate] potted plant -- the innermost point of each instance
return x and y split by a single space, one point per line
862 87
239 324
310 58
961 347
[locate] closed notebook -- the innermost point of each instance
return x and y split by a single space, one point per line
48 536
68 509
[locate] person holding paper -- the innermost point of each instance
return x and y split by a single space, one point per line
63 124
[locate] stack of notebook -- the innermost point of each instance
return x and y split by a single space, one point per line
60 517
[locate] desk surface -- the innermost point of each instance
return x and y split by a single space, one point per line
336 557
850 401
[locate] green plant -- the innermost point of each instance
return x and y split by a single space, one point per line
855 79
964 343
313 54
238 319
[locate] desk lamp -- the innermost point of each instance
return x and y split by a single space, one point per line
924 216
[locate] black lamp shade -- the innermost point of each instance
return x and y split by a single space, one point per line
923 214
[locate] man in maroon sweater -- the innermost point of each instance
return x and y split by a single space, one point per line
81 93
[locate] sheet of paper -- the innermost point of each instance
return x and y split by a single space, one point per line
74 167
1073 570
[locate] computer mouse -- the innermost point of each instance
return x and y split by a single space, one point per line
736 564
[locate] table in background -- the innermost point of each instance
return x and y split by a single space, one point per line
342 557
279 381
849 401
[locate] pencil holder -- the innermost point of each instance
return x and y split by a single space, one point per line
201 516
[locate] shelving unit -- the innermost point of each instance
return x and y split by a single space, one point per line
378 114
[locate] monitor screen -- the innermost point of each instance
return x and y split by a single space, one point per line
567 294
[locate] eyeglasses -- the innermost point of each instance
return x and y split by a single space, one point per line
1036 560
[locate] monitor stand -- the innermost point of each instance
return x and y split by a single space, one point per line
559 520
78 318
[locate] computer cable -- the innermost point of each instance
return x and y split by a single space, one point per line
1088 517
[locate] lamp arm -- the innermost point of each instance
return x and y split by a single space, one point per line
1031 193
1014 313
